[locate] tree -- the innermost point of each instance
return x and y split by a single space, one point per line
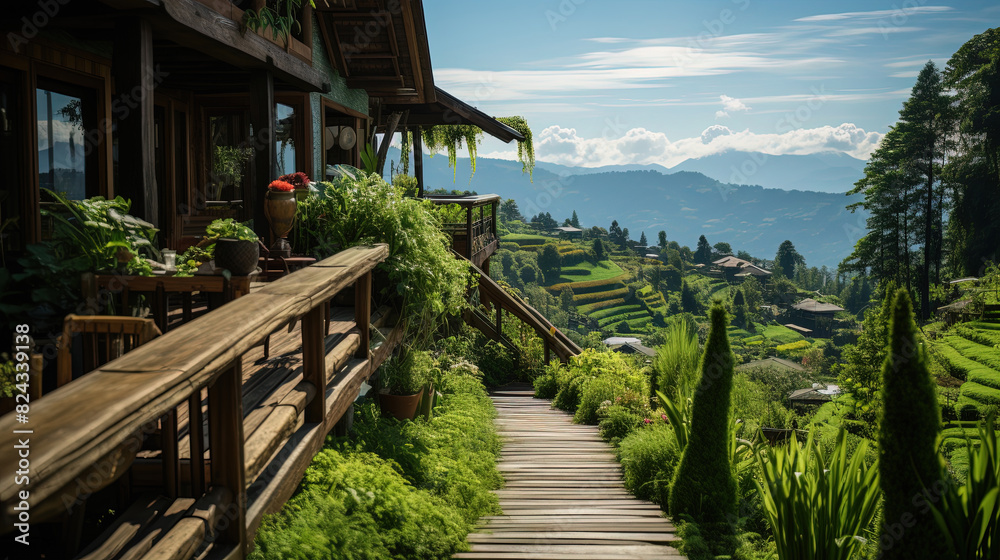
860 375
548 261
973 72
528 274
703 254
625 239
672 278
787 258
615 233
688 299
703 485
566 298
908 459
746 256
509 211
722 248
642 239
599 253
741 315
661 239
575 220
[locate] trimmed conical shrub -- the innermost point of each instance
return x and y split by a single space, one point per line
909 466
703 486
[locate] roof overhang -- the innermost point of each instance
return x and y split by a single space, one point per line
449 109
379 46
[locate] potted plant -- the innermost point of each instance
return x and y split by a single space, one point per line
404 379
235 246
279 208
300 181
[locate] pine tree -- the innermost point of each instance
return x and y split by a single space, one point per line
703 485
642 239
908 459
787 259
703 253
599 253
575 220
661 239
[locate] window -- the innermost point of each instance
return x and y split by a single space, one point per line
286 131
66 159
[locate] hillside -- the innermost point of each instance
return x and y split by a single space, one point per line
830 172
684 204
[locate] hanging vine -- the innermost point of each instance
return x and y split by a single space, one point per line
404 154
451 137
525 149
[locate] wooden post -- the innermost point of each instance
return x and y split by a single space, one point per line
196 439
225 434
418 161
262 120
468 232
493 226
314 363
133 73
363 312
169 456
390 129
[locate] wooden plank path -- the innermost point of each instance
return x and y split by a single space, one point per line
564 498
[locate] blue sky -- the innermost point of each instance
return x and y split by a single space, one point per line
640 81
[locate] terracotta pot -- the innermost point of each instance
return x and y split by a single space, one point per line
402 407
239 257
279 209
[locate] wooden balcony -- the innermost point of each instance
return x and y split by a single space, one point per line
475 239
233 432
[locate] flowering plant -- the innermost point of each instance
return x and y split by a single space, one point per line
282 186
298 179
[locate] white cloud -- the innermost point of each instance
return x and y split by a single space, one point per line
61 132
880 30
730 104
565 146
896 14
912 74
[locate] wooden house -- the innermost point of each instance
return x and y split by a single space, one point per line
735 269
815 316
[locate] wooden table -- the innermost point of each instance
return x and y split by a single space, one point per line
163 286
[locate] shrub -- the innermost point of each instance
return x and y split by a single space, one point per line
676 363
908 460
618 421
546 386
627 385
704 486
649 457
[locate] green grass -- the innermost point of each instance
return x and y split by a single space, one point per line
984 325
525 238
630 316
605 270
965 368
981 394
781 334
600 296
617 310
986 355
590 308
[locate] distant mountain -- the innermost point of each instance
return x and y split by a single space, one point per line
685 204
831 172
567 170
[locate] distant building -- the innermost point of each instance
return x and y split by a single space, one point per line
777 363
815 315
735 269
569 232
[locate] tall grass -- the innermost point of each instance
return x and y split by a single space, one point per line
818 507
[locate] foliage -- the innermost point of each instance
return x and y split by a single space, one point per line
675 368
526 147
229 229
819 506
969 515
8 379
407 373
909 429
450 137
703 253
396 489
860 375
359 209
791 346
704 486
282 18
549 261
649 457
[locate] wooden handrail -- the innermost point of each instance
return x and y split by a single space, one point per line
97 416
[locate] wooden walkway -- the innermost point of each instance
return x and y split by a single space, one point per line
563 498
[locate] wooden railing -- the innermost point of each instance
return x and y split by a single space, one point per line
85 434
475 238
493 295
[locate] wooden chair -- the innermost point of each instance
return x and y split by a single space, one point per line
105 337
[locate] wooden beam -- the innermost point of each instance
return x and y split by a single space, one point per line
362 313
262 120
390 129
314 363
418 160
225 417
133 72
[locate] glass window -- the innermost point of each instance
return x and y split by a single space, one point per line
284 138
62 152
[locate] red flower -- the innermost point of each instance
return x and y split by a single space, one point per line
282 186
299 179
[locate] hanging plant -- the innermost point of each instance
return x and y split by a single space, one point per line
451 137
282 18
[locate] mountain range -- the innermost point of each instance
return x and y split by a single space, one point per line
685 204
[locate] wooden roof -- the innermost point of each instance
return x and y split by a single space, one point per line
380 46
448 109
814 306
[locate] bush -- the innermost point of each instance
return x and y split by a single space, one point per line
399 489
649 457
908 460
546 386
618 421
704 486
